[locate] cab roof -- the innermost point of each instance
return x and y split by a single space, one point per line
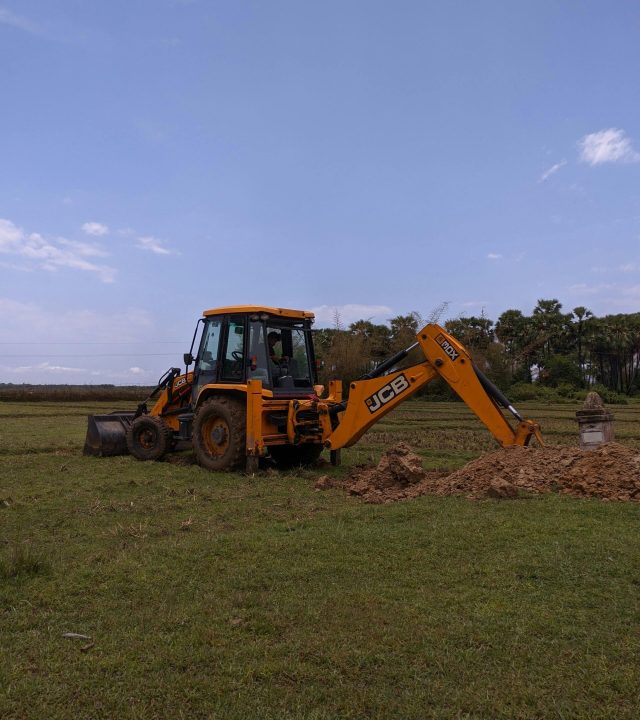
252 309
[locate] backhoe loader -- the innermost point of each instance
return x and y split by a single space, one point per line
253 393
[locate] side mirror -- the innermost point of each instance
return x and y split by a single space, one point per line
187 358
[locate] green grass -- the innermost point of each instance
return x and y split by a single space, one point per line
226 596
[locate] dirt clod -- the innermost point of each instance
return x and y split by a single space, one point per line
612 472
324 482
398 475
500 488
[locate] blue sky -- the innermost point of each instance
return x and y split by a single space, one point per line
162 157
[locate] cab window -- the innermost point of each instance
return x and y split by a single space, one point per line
207 363
233 358
288 357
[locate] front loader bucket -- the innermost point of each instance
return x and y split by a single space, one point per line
107 434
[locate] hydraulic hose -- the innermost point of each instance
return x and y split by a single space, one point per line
389 363
495 393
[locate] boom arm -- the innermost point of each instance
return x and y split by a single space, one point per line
372 397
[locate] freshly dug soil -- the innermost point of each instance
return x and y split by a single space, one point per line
612 472
398 475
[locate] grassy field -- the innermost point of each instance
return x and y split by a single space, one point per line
227 596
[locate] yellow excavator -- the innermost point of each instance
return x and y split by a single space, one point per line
253 393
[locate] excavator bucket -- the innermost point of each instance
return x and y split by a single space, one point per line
107 434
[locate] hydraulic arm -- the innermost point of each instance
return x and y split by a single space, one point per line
383 389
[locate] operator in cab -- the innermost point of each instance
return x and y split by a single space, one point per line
273 338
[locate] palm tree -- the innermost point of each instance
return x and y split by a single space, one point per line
582 314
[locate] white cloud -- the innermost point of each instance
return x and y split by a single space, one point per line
326 314
84 249
610 145
95 228
628 267
553 169
580 287
10 235
17 268
147 242
607 298
42 341
45 367
52 254
30 322
48 372
494 256
153 245
18 21
130 376
474 303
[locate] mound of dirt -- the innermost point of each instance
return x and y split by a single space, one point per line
611 472
398 475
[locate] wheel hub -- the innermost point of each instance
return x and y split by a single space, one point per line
216 437
147 439
219 435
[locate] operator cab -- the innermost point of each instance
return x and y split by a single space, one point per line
251 342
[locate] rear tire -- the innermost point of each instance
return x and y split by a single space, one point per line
219 434
292 456
148 438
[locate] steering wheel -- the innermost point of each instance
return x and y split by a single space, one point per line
237 355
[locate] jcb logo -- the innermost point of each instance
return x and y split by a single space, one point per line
386 393
447 347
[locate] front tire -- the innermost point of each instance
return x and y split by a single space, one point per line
219 434
148 438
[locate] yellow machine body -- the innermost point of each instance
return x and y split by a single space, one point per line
231 424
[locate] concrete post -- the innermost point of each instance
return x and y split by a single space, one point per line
595 423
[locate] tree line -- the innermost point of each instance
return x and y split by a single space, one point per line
549 348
